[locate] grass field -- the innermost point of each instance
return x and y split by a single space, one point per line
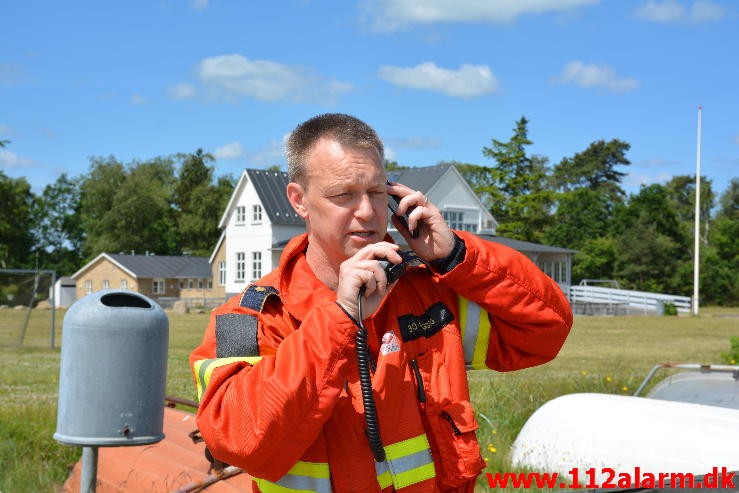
602 354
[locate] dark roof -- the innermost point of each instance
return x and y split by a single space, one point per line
525 246
166 266
418 178
518 245
271 186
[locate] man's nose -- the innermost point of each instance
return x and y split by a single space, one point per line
364 208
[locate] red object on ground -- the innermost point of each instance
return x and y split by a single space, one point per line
173 464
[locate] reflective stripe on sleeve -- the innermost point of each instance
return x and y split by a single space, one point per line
304 477
475 332
203 369
408 462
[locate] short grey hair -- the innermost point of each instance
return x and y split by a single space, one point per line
347 130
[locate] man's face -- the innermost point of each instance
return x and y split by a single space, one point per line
344 199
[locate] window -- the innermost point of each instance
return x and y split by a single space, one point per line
189 284
222 273
456 220
157 286
88 287
556 270
124 283
200 284
240 215
256 214
182 284
256 265
106 284
240 266
210 283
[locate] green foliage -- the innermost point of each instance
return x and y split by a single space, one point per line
595 260
59 234
669 309
517 183
581 215
732 357
595 169
16 223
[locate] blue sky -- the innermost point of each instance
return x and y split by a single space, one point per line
438 80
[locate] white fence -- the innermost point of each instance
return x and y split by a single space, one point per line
623 301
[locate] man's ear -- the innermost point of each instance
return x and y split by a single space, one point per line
296 196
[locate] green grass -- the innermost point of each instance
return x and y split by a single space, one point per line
602 354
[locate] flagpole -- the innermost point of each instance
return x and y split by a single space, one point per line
696 234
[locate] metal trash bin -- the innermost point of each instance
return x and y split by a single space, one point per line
113 371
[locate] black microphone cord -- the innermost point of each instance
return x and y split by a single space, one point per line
365 381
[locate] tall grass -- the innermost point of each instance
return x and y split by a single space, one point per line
608 354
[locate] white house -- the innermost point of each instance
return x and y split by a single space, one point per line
259 221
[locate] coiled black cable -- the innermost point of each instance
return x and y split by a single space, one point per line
365 381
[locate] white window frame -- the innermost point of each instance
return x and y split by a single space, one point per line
88 286
106 284
240 266
455 218
222 273
124 283
256 214
158 286
240 215
256 265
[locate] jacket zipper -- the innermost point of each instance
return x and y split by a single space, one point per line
420 392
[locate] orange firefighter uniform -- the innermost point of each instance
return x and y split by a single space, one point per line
278 385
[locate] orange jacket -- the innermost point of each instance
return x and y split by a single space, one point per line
278 384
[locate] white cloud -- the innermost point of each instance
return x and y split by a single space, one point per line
200 4
228 77
595 75
670 11
272 153
468 81
137 99
232 150
182 91
390 15
6 130
635 180
8 159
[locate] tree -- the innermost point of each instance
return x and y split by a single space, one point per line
128 208
581 215
595 260
521 199
595 168
16 222
719 280
194 173
199 203
59 235
650 244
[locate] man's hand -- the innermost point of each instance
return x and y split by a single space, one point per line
435 238
363 269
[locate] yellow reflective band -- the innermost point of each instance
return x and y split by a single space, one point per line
203 369
407 447
303 477
311 469
481 345
462 316
421 473
409 461
385 479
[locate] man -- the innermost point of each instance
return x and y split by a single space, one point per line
277 372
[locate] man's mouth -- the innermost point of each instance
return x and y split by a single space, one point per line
362 234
